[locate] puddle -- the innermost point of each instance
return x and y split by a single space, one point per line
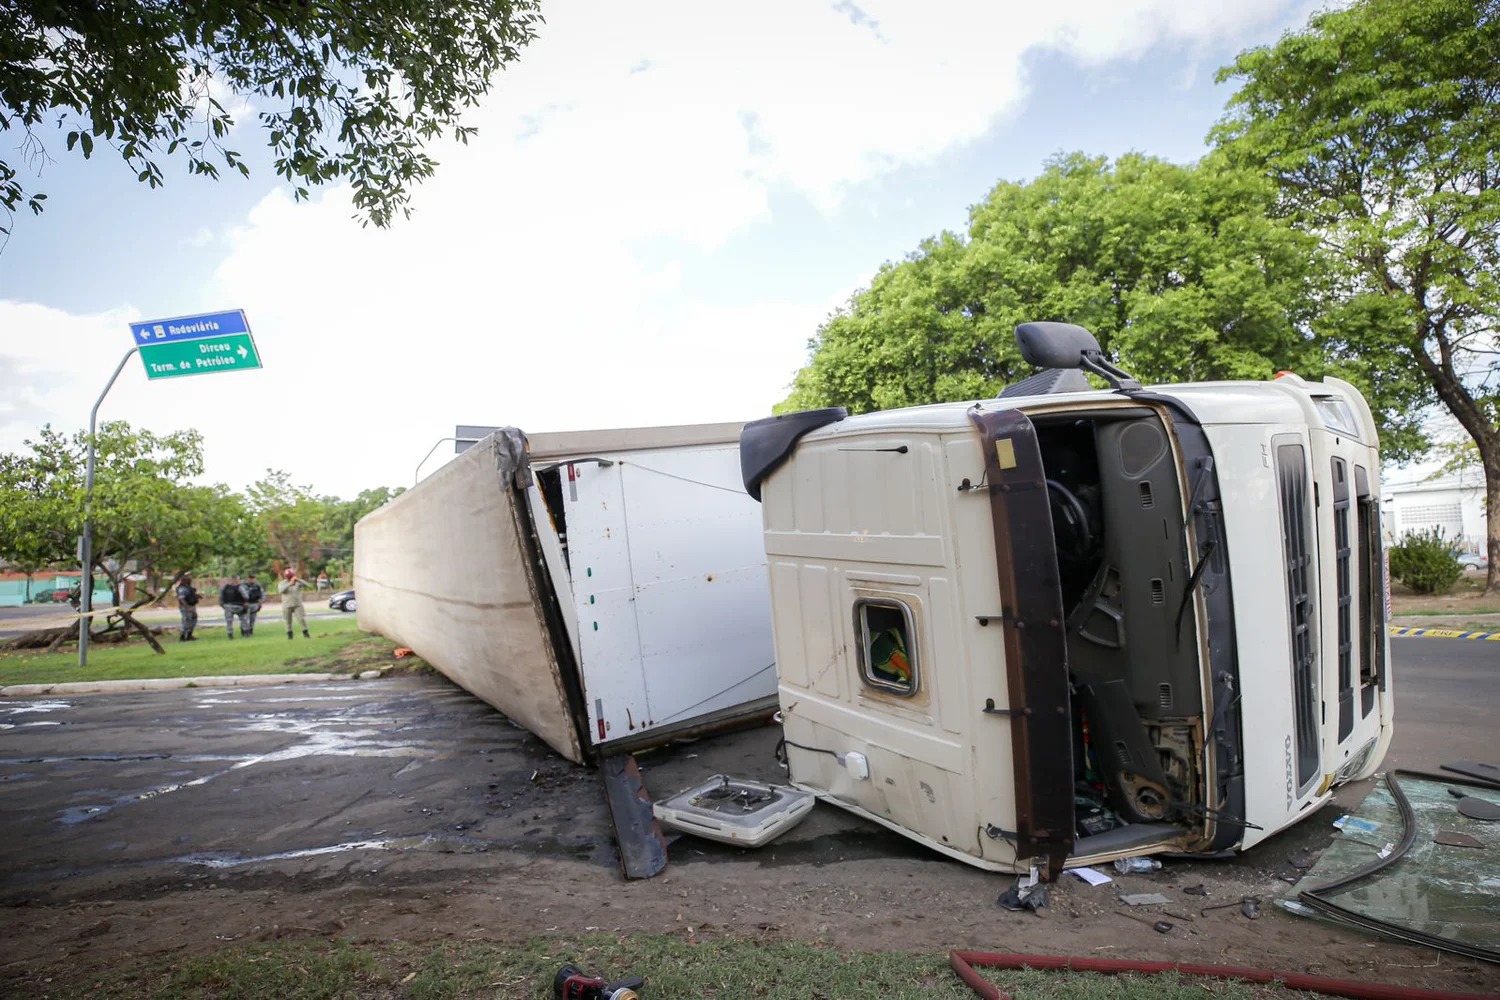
78 814
314 737
106 757
427 842
29 707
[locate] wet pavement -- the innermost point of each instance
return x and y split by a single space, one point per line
134 787
114 793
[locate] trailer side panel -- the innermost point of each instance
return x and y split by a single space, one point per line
447 570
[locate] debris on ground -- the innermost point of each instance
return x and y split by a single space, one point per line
1029 893
1159 926
1248 905
1092 876
1144 899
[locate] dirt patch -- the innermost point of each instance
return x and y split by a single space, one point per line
876 904
1466 598
368 653
489 836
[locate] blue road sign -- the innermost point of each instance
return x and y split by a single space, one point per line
161 331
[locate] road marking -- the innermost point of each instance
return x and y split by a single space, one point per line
1441 633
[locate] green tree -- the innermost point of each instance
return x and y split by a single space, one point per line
1380 125
36 515
1178 270
343 90
290 517
336 548
148 518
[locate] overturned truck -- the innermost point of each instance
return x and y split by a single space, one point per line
1067 625
604 589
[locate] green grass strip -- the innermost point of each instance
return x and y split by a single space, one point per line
336 645
675 969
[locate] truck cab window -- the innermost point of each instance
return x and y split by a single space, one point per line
887 653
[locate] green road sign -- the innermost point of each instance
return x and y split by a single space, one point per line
173 358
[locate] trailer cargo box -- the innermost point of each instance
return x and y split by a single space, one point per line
604 589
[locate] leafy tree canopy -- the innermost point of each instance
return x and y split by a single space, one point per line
343 89
290 517
1180 271
1381 127
147 517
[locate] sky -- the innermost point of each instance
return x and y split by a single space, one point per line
660 208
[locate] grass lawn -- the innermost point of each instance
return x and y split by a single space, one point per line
674 969
337 645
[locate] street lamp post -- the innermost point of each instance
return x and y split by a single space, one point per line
86 545
417 476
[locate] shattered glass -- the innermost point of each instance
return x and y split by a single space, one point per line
1442 890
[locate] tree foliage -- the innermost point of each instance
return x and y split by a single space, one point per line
1381 127
1424 561
148 517
290 517
1178 270
343 90
336 549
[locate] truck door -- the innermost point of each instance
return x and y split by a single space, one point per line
669 587
1036 655
1352 585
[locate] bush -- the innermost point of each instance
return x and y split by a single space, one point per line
1423 560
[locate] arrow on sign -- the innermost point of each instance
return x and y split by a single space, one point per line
244 353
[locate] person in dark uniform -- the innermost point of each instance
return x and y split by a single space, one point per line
232 602
187 608
254 594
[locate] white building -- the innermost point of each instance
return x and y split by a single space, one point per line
1453 504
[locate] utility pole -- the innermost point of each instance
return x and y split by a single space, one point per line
86 546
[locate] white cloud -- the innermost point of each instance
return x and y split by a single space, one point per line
520 291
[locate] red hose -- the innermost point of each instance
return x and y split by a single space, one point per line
963 963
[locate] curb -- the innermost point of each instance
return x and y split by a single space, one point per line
1440 633
167 684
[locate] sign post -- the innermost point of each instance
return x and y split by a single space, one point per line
169 348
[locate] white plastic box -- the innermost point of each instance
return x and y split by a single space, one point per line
734 811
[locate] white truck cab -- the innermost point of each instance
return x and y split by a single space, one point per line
1067 625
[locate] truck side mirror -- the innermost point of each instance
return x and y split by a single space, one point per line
1065 345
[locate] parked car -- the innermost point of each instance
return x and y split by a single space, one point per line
1473 560
52 595
343 601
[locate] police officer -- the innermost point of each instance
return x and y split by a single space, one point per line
187 600
232 602
251 589
290 588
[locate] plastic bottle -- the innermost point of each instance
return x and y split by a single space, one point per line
1126 866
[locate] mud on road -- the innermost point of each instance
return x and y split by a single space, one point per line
173 822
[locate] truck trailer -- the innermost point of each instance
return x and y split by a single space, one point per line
606 590
1068 624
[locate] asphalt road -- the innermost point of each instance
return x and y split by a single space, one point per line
102 792
14 621
1447 702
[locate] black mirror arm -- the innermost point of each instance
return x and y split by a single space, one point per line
1100 366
